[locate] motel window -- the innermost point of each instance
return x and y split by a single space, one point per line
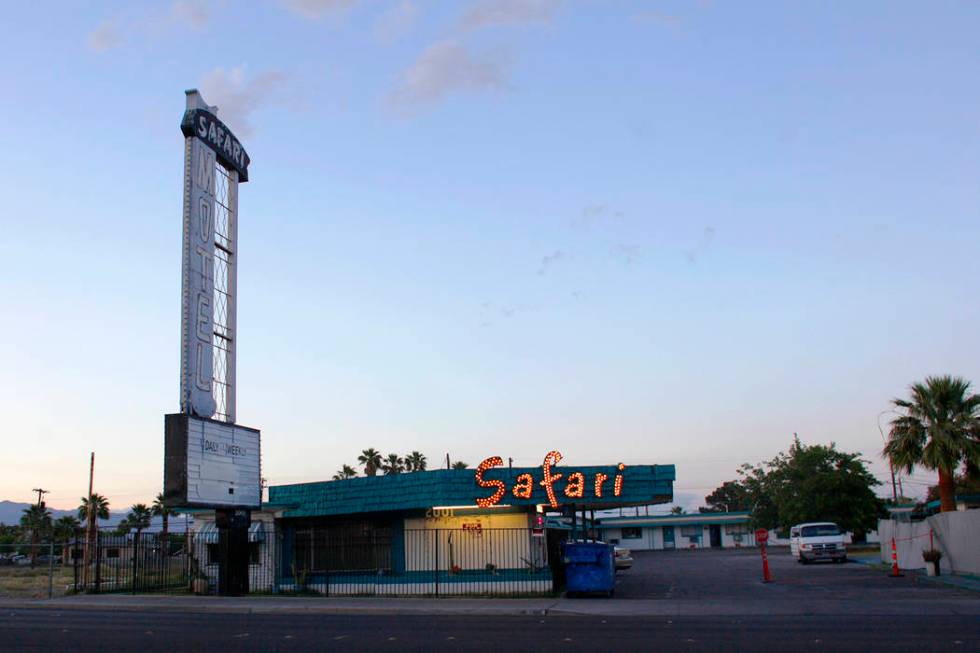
691 531
349 546
737 529
632 533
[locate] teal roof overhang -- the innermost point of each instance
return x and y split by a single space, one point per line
642 485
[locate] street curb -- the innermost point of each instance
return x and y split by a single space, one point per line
58 605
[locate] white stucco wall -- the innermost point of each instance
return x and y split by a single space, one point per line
956 534
501 539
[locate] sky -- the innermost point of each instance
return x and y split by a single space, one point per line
649 232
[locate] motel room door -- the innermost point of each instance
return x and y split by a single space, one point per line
668 537
714 533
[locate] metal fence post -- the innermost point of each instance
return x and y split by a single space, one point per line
436 531
74 562
98 562
51 568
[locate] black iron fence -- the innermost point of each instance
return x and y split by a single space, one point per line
324 561
425 562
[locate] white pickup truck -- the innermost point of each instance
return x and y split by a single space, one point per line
817 541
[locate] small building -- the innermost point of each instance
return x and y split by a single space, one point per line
694 531
457 532
263 551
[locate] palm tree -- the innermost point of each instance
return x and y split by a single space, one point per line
392 465
939 429
160 509
37 518
99 504
459 464
371 459
345 473
64 529
415 462
676 510
139 517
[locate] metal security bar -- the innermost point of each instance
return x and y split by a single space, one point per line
328 561
424 562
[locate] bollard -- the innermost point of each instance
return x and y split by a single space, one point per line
766 577
895 573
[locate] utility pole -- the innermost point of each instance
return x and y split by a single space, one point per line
447 461
34 534
89 526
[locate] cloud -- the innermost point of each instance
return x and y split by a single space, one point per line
316 9
396 21
493 13
104 37
628 254
653 16
442 69
692 254
596 213
237 98
548 261
192 12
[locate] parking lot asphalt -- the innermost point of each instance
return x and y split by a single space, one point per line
736 575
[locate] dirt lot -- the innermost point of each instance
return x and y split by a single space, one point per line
24 582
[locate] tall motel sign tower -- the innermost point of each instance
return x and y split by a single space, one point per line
210 461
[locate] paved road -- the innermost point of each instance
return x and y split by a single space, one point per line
83 630
736 575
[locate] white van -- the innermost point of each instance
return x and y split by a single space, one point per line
817 541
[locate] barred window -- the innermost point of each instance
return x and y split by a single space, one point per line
632 533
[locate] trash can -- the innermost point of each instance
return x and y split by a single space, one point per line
589 568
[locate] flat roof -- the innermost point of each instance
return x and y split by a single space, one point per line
642 485
700 518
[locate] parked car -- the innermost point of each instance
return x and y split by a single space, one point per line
817 541
623 558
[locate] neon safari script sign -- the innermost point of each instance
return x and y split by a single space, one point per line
524 484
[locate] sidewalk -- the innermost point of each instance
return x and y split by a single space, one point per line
496 607
961 581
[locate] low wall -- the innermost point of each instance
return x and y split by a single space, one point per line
956 534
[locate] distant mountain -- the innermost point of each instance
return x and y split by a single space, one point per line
11 512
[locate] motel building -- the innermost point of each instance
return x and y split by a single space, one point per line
484 531
715 530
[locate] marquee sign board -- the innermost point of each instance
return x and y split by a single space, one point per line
211 464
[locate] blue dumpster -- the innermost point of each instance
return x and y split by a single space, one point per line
589 567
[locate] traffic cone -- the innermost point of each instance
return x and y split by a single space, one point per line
895 573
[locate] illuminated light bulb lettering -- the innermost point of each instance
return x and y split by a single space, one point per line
575 487
524 486
493 499
552 458
600 478
618 483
